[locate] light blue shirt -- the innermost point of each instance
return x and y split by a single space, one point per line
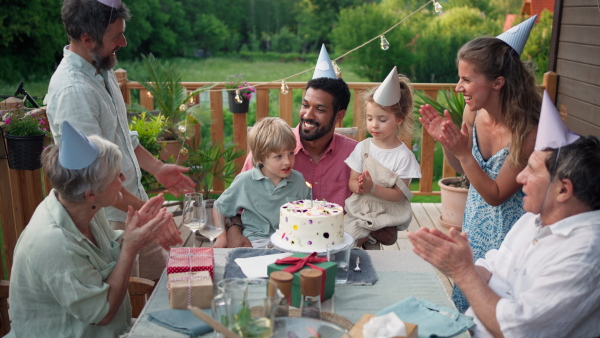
57 286
78 94
261 200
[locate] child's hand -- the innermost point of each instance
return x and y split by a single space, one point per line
365 183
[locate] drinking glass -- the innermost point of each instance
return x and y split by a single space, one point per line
194 216
213 225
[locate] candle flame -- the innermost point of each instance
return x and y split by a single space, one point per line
309 185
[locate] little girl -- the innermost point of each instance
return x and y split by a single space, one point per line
382 166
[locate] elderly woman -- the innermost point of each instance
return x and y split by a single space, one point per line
71 270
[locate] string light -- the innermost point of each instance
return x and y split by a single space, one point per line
238 97
284 87
182 107
437 8
192 101
149 94
336 69
385 45
182 128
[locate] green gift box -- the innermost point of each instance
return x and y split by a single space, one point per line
327 283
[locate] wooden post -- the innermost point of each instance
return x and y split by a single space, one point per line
285 107
551 84
427 158
146 100
359 114
216 128
121 75
262 103
240 131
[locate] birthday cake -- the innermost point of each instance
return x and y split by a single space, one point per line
307 225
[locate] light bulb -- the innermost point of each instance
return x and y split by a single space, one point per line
182 128
149 94
336 69
183 150
284 87
385 45
437 8
238 97
182 107
192 100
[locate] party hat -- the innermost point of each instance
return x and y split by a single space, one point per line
324 68
517 36
76 150
388 92
552 132
116 4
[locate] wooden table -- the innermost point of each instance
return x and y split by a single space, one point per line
401 274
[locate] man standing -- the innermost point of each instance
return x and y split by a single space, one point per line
84 91
320 152
543 280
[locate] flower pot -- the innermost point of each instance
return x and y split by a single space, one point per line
171 148
454 201
24 151
235 107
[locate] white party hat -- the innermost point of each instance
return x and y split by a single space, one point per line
116 4
76 150
517 36
552 132
388 92
324 68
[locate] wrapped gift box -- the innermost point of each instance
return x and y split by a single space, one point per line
190 288
191 259
327 283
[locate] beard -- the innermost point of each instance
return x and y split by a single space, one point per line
319 132
103 63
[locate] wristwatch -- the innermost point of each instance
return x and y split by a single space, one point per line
228 226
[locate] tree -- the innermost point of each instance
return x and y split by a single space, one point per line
537 48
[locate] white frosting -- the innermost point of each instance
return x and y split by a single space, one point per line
303 226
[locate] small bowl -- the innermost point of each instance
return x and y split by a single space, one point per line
301 327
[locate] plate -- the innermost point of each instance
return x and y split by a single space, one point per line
279 243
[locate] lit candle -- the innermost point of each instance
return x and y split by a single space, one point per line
311 198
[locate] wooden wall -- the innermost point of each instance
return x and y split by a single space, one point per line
575 57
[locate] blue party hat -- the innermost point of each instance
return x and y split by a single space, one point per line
324 67
76 150
517 36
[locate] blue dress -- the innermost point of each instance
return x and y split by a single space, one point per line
486 225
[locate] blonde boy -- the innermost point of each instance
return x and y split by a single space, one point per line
261 191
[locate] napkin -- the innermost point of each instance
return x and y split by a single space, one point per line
388 325
256 267
183 321
433 320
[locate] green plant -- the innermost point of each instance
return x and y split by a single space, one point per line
209 161
148 129
454 103
22 121
163 81
237 82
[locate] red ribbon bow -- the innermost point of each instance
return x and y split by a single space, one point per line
298 263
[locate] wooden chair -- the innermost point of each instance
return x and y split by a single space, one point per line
4 319
138 290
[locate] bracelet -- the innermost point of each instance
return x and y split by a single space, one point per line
373 189
240 225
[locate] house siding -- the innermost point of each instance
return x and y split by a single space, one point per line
576 60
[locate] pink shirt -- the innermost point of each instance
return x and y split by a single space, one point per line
329 177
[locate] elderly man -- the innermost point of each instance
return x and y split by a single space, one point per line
84 91
543 280
320 152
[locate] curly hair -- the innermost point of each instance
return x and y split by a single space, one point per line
402 109
338 88
91 17
520 97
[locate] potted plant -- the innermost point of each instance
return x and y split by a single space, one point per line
148 129
25 130
239 93
454 190
163 82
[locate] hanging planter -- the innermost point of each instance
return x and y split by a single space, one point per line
238 108
24 151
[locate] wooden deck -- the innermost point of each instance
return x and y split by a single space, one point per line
424 215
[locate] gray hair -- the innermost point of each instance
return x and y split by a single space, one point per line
73 184
579 162
91 17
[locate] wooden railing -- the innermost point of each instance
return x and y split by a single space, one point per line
286 111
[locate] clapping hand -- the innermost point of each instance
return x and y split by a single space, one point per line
432 121
365 183
171 177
